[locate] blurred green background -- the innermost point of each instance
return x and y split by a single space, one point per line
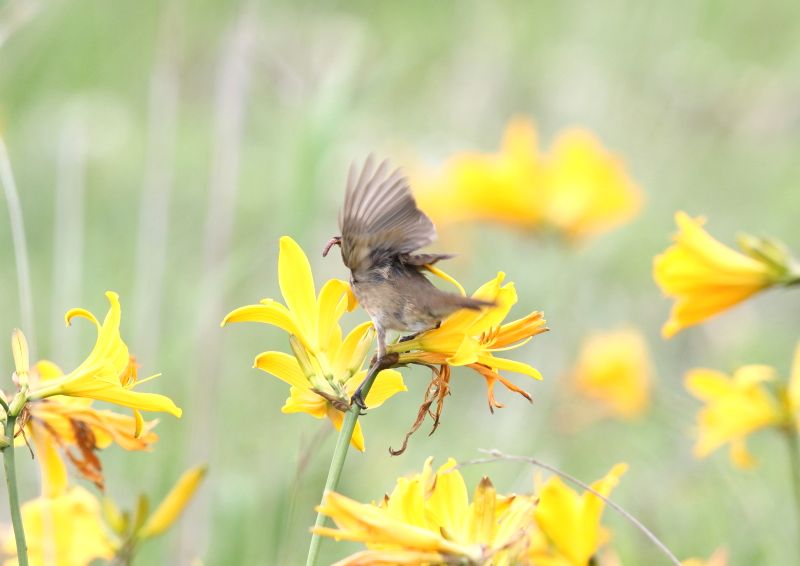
162 148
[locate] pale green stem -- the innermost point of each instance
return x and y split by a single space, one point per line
794 464
20 246
337 461
13 496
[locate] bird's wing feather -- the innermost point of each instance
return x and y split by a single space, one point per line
380 216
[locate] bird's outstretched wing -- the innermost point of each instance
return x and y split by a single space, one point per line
380 217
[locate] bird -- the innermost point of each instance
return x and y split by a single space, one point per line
381 230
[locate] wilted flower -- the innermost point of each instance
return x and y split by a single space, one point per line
705 277
428 519
108 373
78 429
614 369
325 369
569 522
737 406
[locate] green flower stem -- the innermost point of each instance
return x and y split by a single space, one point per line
339 455
13 496
794 463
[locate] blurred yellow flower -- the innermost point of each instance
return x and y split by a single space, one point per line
705 277
580 188
570 522
735 407
793 392
503 187
63 526
108 373
719 558
325 369
428 519
62 530
471 338
614 368
587 190
173 504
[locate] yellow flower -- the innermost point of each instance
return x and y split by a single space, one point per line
705 277
579 188
173 504
325 369
63 525
719 558
428 519
108 373
78 430
503 187
793 392
63 530
570 522
587 190
735 408
614 368
471 338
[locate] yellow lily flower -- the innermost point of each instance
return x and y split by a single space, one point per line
325 369
78 430
428 519
471 338
705 277
570 522
614 368
719 558
63 530
63 526
579 188
793 391
504 187
173 504
736 407
587 190
108 373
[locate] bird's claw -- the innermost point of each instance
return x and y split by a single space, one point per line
358 399
335 241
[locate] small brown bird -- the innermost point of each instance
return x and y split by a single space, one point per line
381 228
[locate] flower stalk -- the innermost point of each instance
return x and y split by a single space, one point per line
794 465
340 453
13 495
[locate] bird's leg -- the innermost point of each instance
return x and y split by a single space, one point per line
381 362
412 336
381 334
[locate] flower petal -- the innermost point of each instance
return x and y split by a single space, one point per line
267 312
332 304
174 503
303 400
284 367
509 365
297 286
387 383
